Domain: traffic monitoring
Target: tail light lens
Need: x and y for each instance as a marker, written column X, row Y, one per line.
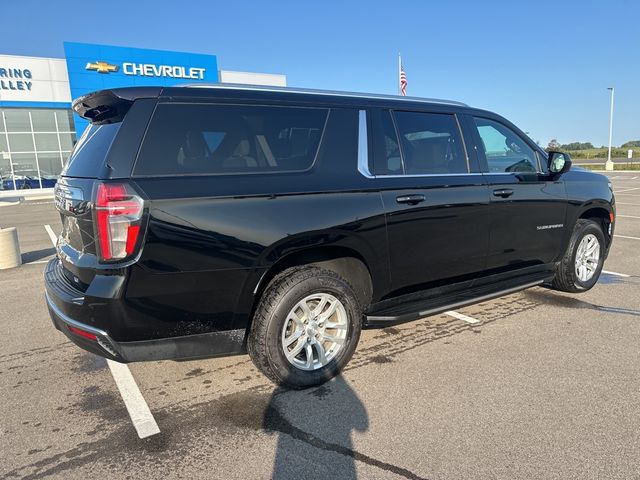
column 118, row 212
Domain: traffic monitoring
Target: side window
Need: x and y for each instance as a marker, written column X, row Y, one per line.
column 89, row 153
column 431, row 143
column 387, row 159
column 504, row 149
column 185, row 139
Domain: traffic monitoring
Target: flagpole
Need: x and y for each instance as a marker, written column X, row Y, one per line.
column 399, row 73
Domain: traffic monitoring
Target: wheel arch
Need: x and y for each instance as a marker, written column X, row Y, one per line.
column 345, row 261
column 602, row 216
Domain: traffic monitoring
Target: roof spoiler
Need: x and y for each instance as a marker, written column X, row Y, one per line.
column 109, row 106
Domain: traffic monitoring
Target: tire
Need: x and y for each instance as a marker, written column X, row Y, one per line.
column 279, row 317
column 566, row 278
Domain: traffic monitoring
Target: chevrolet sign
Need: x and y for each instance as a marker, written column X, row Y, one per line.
column 149, row 70
column 93, row 67
column 172, row 71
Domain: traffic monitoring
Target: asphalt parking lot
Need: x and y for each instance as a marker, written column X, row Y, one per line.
column 538, row 384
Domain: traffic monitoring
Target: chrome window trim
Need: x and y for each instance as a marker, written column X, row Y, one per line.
column 419, row 175
column 514, row 173
column 363, row 145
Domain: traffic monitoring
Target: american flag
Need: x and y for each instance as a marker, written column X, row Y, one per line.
column 403, row 81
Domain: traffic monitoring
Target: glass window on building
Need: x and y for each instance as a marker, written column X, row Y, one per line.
column 34, row 145
column 43, row 121
column 17, row 120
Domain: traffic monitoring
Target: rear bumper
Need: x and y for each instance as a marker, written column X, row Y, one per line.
column 66, row 305
column 103, row 345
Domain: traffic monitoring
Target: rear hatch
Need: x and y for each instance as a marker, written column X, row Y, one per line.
column 98, row 206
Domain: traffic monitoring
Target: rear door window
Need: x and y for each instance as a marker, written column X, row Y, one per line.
column 188, row 139
column 431, row 143
column 387, row 158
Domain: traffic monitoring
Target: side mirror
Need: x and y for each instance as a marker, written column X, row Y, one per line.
column 559, row 163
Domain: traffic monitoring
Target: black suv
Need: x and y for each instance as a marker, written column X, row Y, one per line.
column 209, row 221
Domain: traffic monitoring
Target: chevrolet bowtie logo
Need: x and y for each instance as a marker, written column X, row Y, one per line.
column 102, row 67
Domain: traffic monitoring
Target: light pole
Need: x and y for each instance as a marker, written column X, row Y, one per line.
column 609, row 164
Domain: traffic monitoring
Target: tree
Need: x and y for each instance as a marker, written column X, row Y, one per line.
column 577, row 146
column 554, row 144
column 631, row 144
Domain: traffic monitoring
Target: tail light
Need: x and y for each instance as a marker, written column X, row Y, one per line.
column 118, row 213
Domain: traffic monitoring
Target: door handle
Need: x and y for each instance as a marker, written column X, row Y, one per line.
column 410, row 199
column 503, row 192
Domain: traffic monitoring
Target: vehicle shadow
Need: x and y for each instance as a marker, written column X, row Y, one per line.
column 558, row 300
column 314, row 429
column 37, row 255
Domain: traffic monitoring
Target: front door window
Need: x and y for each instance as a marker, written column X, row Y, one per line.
column 504, row 149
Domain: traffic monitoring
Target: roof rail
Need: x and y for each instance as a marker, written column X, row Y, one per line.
column 309, row 91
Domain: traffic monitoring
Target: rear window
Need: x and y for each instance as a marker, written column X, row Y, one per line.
column 89, row 153
column 187, row 139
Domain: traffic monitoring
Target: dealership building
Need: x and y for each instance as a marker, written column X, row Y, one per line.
column 38, row 129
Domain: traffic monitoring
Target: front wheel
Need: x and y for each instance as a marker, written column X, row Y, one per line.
column 582, row 263
column 305, row 328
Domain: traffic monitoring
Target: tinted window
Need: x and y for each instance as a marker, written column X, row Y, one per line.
column 431, row 143
column 504, row 149
column 207, row 139
column 387, row 159
column 89, row 153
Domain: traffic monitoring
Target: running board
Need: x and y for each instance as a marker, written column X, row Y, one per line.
column 417, row 309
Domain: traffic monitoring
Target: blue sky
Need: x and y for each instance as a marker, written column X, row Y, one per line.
column 545, row 65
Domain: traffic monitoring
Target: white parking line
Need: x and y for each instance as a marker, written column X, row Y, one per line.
column 616, row 274
column 461, row 316
column 626, row 216
column 52, row 235
column 623, row 203
column 141, row 416
column 626, row 236
column 626, row 190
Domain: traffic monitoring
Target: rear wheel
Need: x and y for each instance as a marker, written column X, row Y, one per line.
column 582, row 263
column 306, row 327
